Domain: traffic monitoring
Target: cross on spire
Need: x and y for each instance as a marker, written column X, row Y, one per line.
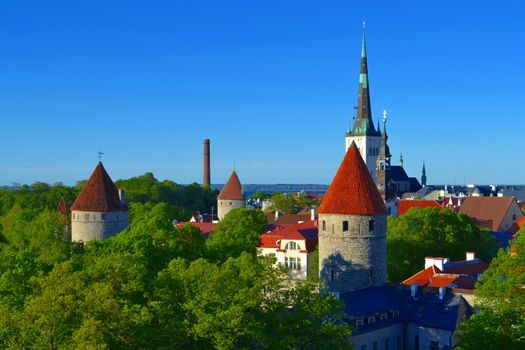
column 100, row 154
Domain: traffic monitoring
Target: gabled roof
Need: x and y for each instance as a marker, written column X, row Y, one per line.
column 488, row 210
column 232, row 189
column 306, row 231
column 205, row 227
column 99, row 193
column 352, row 191
column 422, row 278
column 404, row 205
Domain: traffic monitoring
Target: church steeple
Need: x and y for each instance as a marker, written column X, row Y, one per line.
column 423, row 176
column 363, row 122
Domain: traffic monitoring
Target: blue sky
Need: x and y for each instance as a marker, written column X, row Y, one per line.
column 271, row 83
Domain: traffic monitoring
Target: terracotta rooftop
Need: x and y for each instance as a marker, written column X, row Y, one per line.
column 404, row 205
column 306, row 231
column 232, row 189
column 99, row 193
column 287, row 219
column 352, row 191
column 488, row 211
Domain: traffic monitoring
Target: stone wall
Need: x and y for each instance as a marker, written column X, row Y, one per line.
column 90, row 225
column 225, row 205
column 353, row 259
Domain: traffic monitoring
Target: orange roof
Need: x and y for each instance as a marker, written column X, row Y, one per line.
column 443, row 279
column 422, row 278
column 404, row 205
column 488, row 211
column 306, row 231
column 205, row 227
column 99, row 193
column 232, row 189
column 352, row 191
column 520, row 222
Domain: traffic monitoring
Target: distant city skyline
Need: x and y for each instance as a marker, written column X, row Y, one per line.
column 272, row 84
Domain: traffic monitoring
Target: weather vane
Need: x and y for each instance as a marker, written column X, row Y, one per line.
column 100, row 156
column 384, row 115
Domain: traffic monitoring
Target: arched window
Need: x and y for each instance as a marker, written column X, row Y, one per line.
column 345, row 226
column 292, row 246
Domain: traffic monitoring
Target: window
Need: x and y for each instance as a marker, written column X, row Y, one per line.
column 293, row 263
column 371, row 319
column 387, row 344
column 103, row 216
column 86, row 216
column 73, row 216
column 384, row 316
column 398, row 342
column 416, row 342
column 345, row 226
column 371, row 226
column 324, row 225
column 360, row 322
column 230, row 203
column 374, row 345
column 292, row 246
column 434, row 345
column 363, row 347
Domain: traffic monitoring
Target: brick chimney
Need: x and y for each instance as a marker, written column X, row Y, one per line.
column 206, row 182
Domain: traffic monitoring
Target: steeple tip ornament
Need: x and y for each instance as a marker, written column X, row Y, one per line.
column 364, row 25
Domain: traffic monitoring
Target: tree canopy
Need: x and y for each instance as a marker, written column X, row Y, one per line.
column 500, row 322
column 154, row 286
column 425, row 232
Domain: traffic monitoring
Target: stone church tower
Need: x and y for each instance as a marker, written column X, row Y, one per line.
column 363, row 133
column 384, row 173
column 100, row 210
column 352, row 229
column 230, row 197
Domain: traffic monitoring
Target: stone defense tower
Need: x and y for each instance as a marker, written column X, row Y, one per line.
column 231, row 196
column 100, row 210
column 352, row 229
column 363, row 133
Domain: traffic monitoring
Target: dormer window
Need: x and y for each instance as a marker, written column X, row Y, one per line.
column 384, row 316
column 359, row 322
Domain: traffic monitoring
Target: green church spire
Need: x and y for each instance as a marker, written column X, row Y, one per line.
column 363, row 123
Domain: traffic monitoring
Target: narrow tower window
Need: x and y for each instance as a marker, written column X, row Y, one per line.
column 345, row 226
column 371, row 226
column 324, row 225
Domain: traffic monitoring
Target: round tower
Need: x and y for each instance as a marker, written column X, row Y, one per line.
column 352, row 229
column 100, row 210
column 230, row 197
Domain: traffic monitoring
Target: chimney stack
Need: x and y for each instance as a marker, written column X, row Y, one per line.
column 206, row 182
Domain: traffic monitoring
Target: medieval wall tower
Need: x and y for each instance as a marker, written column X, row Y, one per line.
column 100, row 210
column 363, row 133
column 352, row 229
column 230, row 197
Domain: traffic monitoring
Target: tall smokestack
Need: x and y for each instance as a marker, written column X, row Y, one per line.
column 206, row 182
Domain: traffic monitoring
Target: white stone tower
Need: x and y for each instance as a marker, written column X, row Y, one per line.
column 100, row 210
column 231, row 196
column 352, row 229
column 363, row 133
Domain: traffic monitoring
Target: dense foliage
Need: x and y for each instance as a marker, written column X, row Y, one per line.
column 292, row 203
column 154, row 286
column 433, row 232
column 500, row 322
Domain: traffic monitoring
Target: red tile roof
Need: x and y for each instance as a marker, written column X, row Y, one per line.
column 205, row 227
column 99, row 193
column 232, row 189
column 62, row 207
column 352, row 191
column 404, row 205
column 306, row 231
column 422, row 278
column 488, row 211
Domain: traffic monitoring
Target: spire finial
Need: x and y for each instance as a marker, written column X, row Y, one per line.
column 385, row 113
column 364, row 25
column 100, row 154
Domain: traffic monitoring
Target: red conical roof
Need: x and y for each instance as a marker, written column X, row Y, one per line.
column 232, row 189
column 99, row 193
column 352, row 191
column 62, row 207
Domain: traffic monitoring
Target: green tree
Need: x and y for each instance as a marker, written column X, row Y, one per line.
column 500, row 322
column 433, row 232
column 238, row 232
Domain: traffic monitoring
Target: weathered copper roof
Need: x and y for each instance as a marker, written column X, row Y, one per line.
column 232, row 189
column 352, row 191
column 99, row 193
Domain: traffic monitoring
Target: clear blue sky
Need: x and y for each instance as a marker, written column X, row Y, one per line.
column 271, row 83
